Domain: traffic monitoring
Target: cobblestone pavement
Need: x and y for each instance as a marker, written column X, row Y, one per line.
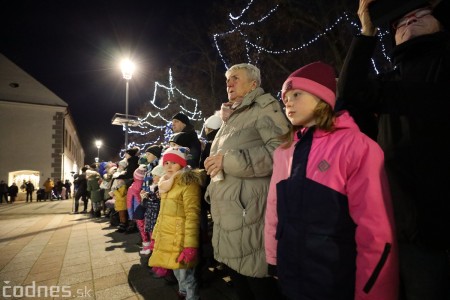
column 48, row 253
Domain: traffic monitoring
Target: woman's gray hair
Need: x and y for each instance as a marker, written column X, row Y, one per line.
column 252, row 71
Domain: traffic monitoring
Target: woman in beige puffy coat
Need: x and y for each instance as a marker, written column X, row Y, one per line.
column 242, row 153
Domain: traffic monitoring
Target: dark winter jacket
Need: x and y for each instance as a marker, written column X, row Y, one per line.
column 194, row 146
column 13, row 190
column 81, row 183
column 409, row 110
column 205, row 153
column 29, row 187
column 133, row 164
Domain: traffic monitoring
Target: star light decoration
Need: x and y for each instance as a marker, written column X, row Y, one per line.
column 158, row 120
column 239, row 26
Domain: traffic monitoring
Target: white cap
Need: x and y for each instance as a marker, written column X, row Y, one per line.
column 213, row 122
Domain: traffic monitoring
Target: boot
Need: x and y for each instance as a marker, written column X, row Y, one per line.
column 145, row 248
column 121, row 227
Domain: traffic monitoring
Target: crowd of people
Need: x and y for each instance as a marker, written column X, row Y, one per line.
column 338, row 192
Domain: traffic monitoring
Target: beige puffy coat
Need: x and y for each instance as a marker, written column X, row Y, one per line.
column 238, row 202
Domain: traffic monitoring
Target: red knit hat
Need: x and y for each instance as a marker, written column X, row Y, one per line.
column 316, row 78
column 177, row 155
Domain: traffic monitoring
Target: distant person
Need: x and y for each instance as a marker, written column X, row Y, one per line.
column 29, row 187
column 81, row 183
column 183, row 139
column 68, row 186
column 93, row 187
column 132, row 159
column 48, row 188
column 119, row 193
column 181, row 123
column 13, row 190
column 58, row 189
column 211, row 127
column 151, row 200
column 3, row 191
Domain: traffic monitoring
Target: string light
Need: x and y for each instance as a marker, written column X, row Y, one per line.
column 147, row 124
column 238, row 26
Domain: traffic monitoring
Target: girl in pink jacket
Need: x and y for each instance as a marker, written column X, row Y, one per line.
column 329, row 227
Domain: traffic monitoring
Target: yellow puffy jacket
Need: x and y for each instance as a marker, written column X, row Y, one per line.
column 178, row 224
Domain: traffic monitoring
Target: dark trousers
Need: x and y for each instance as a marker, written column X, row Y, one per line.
column 30, row 195
column 424, row 273
column 251, row 288
column 83, row 196
column 3, row 195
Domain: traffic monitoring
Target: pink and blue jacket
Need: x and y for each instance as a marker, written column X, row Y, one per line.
column 329, row 224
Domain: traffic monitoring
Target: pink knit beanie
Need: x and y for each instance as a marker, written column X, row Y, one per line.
column 316, row 78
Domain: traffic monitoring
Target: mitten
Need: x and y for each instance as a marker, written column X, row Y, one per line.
column 160, row 272
column 187, row 255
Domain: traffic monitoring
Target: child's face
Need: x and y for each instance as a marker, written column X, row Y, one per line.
column 156, row 179
column 173, row 144
column 300, row 107
column 171, row 167
column 150, row 157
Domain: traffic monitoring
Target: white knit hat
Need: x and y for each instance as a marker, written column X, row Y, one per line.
column 213, row 122
column 158, row 171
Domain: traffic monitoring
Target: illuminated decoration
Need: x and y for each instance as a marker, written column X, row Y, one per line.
column 158, row 122
column 238, row 26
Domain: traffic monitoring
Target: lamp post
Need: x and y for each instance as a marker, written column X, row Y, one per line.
column 127, row 67
column 98, row 144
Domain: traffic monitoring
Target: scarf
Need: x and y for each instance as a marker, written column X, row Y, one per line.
column 228, row 108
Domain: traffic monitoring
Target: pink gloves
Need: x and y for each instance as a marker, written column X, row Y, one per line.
column 187, row 255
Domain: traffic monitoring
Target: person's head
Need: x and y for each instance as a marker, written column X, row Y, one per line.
column 131, row 152
column 83, row 170
column 180, row 139
column 309, row 95
column 174, row 159
column 415, row 23
column 153, row 152
column 241, row 80
column 179, row 122
column 157, row 172
column 212, row 123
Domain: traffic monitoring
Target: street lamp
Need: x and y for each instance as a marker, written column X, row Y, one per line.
column 98, row 144
column 127, row 67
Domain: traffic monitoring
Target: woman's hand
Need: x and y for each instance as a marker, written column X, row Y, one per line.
column 367, row 27
column 214, row 164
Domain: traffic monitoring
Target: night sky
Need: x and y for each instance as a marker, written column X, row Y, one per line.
column 74, row 48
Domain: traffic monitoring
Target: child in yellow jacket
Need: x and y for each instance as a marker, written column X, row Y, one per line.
column 177, row 230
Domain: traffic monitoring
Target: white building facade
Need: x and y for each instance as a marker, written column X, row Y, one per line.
column 38, row 136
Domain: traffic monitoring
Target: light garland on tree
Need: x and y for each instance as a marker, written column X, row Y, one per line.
column 145, row 125
column 239, row 26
